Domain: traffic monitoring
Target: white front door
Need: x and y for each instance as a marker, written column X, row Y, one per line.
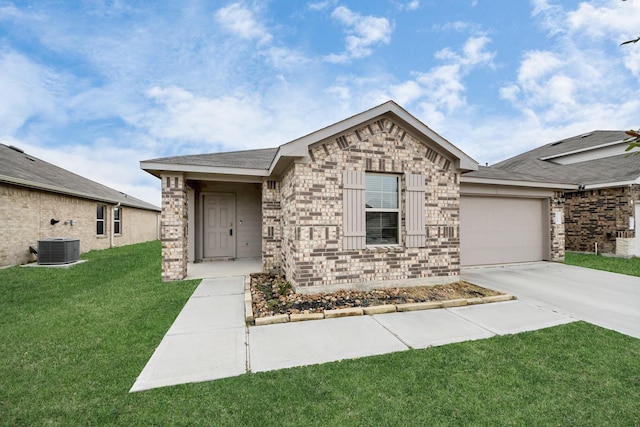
column 219, row 226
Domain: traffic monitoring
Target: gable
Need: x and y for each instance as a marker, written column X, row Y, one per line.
column 381, row 145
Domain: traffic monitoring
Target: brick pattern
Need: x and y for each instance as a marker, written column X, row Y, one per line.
column 26, row 218
column 271, row 225
column 557, row 230
column 173, row 228
column 310, row 213
column 599, row 216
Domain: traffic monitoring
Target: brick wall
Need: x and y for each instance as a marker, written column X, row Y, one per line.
column 25, row 218
column 173, row 227
column 599, row 216
column 311, row 212
column 557, row 226
column 271, row 225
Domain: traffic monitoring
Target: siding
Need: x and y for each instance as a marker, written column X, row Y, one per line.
column 25, row 216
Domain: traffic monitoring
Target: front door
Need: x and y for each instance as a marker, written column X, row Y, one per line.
column 219, row 226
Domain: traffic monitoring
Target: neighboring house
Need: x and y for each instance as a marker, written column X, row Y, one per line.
column 377, row 198
column 39, row 201
column 605, row 208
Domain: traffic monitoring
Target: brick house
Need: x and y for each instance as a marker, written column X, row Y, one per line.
column 39, row 200
column 602, row 212
column 375, row 199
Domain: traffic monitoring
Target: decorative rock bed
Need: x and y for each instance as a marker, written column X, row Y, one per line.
column 270, row 299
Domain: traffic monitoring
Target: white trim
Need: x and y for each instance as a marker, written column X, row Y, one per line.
column 68, row 192
column 299, row 147
column 583, row 150
column 505, row 182
column 176, row 167
column 610, row 184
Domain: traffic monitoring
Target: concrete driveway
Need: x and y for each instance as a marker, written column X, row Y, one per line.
column 605, row 299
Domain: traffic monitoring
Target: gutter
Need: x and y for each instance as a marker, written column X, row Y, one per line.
column 66, row 191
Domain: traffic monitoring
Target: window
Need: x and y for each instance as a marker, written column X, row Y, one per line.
column 117, row 220
column 382, row 210
column 100, row 220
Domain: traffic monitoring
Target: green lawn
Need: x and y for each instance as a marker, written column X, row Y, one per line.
column 74, row 341
column 630, row 266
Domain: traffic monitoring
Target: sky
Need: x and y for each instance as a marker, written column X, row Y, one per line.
column 96, row 86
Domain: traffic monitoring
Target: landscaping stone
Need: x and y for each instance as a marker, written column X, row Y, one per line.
column 379, row 309
column 343, row 312
column 413, row 306
column 278, row 318
column 305, row 316
column 498, row 298
column 454, row 303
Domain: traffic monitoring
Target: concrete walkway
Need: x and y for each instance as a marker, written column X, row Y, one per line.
column 605, row 299
column 209, row 339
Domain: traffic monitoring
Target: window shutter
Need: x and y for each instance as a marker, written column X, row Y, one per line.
column 416, row 232
column 353, row 216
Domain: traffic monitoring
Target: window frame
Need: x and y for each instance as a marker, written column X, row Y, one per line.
column 117, row 221
column 397, row 210
column 101, row 221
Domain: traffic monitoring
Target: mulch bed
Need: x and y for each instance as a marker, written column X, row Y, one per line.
column 271, row 294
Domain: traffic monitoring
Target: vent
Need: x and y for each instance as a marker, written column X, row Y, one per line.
column 14, row 148
column 58, row 251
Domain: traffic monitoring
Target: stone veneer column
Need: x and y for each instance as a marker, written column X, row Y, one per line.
column 174, row 227
column 557, row 229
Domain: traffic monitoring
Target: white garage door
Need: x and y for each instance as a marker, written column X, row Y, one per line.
column 501, row 230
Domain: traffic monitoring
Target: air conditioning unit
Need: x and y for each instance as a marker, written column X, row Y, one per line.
column 58, row 250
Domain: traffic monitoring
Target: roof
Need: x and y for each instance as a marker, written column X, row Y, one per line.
column 492, row 175
column 594, row 159
column 265, row 162
column 249, row 159
column 21, row 169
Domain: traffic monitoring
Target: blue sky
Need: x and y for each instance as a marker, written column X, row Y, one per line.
column 96, row 86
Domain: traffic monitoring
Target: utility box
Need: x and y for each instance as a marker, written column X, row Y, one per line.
column 58, row 250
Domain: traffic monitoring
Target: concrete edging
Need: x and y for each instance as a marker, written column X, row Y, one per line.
column 360, row 311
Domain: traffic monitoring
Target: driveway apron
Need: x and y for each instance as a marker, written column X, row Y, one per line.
column 605, row 299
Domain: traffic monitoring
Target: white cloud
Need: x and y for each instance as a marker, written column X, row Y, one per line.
column 242, row 22
column 579, row 78
column 321, row 5
column 413, row 5
column 363, row 32
column 28, row 90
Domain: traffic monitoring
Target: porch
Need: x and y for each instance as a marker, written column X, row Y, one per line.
column 213, row 269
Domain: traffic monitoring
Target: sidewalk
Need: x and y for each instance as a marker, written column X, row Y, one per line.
column 209, row 339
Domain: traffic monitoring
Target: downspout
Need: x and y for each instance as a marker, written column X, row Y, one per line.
column 112, row 234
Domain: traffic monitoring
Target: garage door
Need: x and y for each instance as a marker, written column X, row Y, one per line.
column 501, row 230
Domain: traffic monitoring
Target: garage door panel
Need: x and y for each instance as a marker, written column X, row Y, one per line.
column 500, row 230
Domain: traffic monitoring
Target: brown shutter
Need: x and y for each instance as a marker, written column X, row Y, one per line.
column 415, row 191
column 353, row 200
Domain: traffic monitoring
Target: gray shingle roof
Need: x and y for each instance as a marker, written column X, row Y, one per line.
column 619, row 168
column 249, row 159
column 494, row 173
column 19, row 168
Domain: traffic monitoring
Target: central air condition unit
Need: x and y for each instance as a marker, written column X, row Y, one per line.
column 58, row 251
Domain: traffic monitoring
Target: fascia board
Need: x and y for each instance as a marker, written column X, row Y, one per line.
column 66, row 191
column 582, row 150
column 611, row 184
column 513, row 183
column 174, row 167
column 299, row 147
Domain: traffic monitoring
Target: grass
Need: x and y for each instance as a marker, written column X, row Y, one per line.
column 629, row 266
column 74, row 341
